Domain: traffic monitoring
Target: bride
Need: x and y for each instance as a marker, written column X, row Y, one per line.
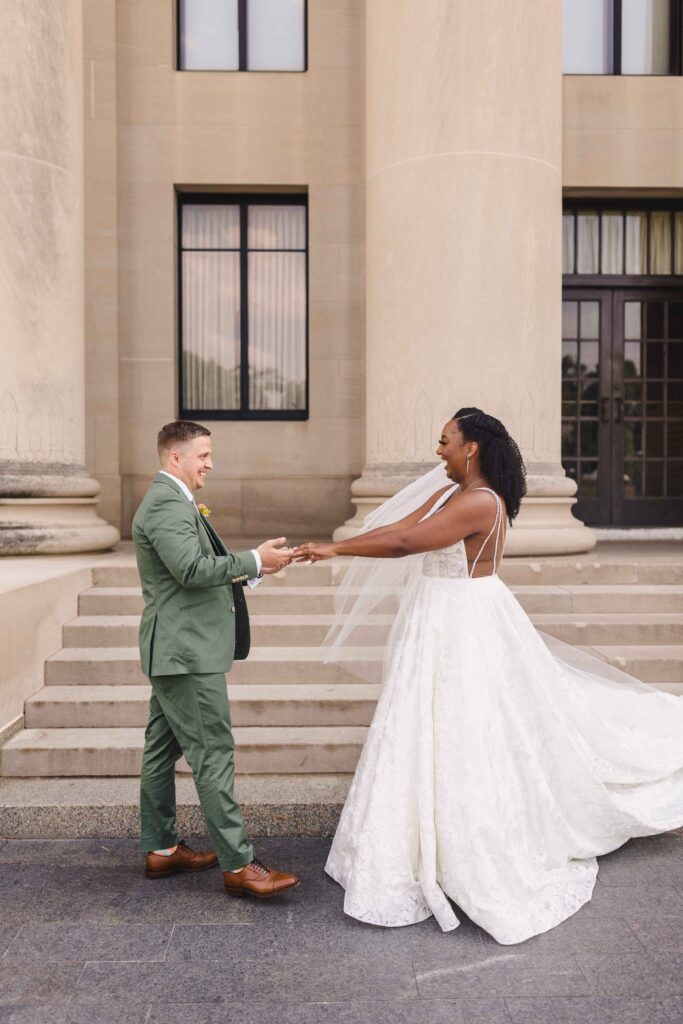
column 499, row 763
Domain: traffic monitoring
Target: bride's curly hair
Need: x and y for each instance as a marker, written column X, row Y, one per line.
column 500, row 458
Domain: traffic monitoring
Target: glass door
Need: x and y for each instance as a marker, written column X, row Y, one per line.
column 622, row 404
column 587, row 427
column 647, row 369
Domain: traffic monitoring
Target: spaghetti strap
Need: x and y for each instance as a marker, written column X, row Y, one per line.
column 497, row 524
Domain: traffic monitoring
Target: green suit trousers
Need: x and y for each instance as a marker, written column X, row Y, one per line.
column 190, row 715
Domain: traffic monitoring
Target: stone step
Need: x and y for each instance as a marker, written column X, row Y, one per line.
column 115, row 666
column 266, row 630
column 621, row 628
column 320, row 600
column 590, row 569
column 59, row 707
column 102, row 808
column 322, row 574
column 258, row 750
column 310, row 630
column 92, row 666
column 661, row 663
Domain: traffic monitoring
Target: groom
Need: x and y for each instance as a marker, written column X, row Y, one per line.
column 194, row 616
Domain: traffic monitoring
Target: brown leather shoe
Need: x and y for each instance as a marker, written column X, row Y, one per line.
column 258, row 880
column 184, row 859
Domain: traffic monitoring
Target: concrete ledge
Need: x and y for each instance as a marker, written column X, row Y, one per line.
column 61, row 808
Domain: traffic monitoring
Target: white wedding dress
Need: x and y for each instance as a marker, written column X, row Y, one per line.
column 495, row 771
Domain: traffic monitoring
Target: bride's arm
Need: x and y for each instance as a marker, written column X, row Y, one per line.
column 461, row 517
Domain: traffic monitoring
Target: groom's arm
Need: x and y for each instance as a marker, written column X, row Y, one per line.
column 171, row 528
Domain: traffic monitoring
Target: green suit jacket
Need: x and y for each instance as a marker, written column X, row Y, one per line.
column 188, row 623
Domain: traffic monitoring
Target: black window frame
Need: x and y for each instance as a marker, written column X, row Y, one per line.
column 580, row 204
column 243, row 200
column 675, row 46
column 242, row 38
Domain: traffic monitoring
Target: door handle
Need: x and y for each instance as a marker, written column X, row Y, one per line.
column 604, row 409
column 618, row 410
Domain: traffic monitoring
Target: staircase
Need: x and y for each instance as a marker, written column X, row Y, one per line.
column 291, row 713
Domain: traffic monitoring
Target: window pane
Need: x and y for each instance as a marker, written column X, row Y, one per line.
column 674, row 479
column 636, row 242
column 589, row 439
column 211, row 330
column 675, row 359
column 675, row 320
column 660, row 243
column 645, row 37
column 587, row 241
column 612, row 256
column 589, row 479
column 277, row 227
column 589, row 359
column 590, row 319
column 586, row 37
column 632, row 320
column 654, row 320
column 569, row 358
column 570, row 325
column 654, row 479
column 654, row 440
column 208, row 35
column 211, row 226
column 568, row 243
column 569, row 445
column 275, row 35
column 632, row 359
column 633, row 479
column 277, row 330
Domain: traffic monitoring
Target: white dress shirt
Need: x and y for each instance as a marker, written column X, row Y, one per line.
column 190, row 497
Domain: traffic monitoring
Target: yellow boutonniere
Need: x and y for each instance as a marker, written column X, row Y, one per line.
column 204, row 510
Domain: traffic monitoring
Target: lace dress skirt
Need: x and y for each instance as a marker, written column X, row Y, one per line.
column 494, row 773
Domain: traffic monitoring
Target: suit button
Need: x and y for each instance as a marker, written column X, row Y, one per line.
column 232, row 609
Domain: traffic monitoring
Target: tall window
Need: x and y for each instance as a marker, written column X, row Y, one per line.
column 243, row 307
column 623, row 238
column 622, row 37
column 242, row 35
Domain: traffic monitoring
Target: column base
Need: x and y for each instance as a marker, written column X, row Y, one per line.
column 53, row 526
column 544, row 526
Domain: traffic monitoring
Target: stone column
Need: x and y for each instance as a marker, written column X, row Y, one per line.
column 463, row 163
column 47, row 500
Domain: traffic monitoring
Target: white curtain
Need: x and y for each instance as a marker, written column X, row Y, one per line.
column 209, row 35
column 211, row 330
column 660, row 242
column 277, row 227
column 645, row 37
column 612, row 243
column 587, row 37
column 587, row 244
column 277, row 330
column 211, row 226
column 636, row 243
column 275, row 36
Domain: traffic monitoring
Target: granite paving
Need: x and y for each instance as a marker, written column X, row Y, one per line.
column 85, row 938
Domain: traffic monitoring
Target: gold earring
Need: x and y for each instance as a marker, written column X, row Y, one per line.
column 467, row 471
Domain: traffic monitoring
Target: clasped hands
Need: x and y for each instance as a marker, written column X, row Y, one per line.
column 275, row 556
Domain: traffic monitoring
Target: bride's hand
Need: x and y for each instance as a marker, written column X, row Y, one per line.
column 314, row 552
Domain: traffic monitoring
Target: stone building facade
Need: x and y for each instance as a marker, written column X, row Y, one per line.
column 408, row 172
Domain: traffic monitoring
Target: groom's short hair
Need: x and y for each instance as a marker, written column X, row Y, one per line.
column 179, row 432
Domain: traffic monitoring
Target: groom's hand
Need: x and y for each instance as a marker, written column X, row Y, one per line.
column 273, row 555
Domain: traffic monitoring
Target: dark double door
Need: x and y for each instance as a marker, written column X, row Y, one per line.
column 622, row 404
